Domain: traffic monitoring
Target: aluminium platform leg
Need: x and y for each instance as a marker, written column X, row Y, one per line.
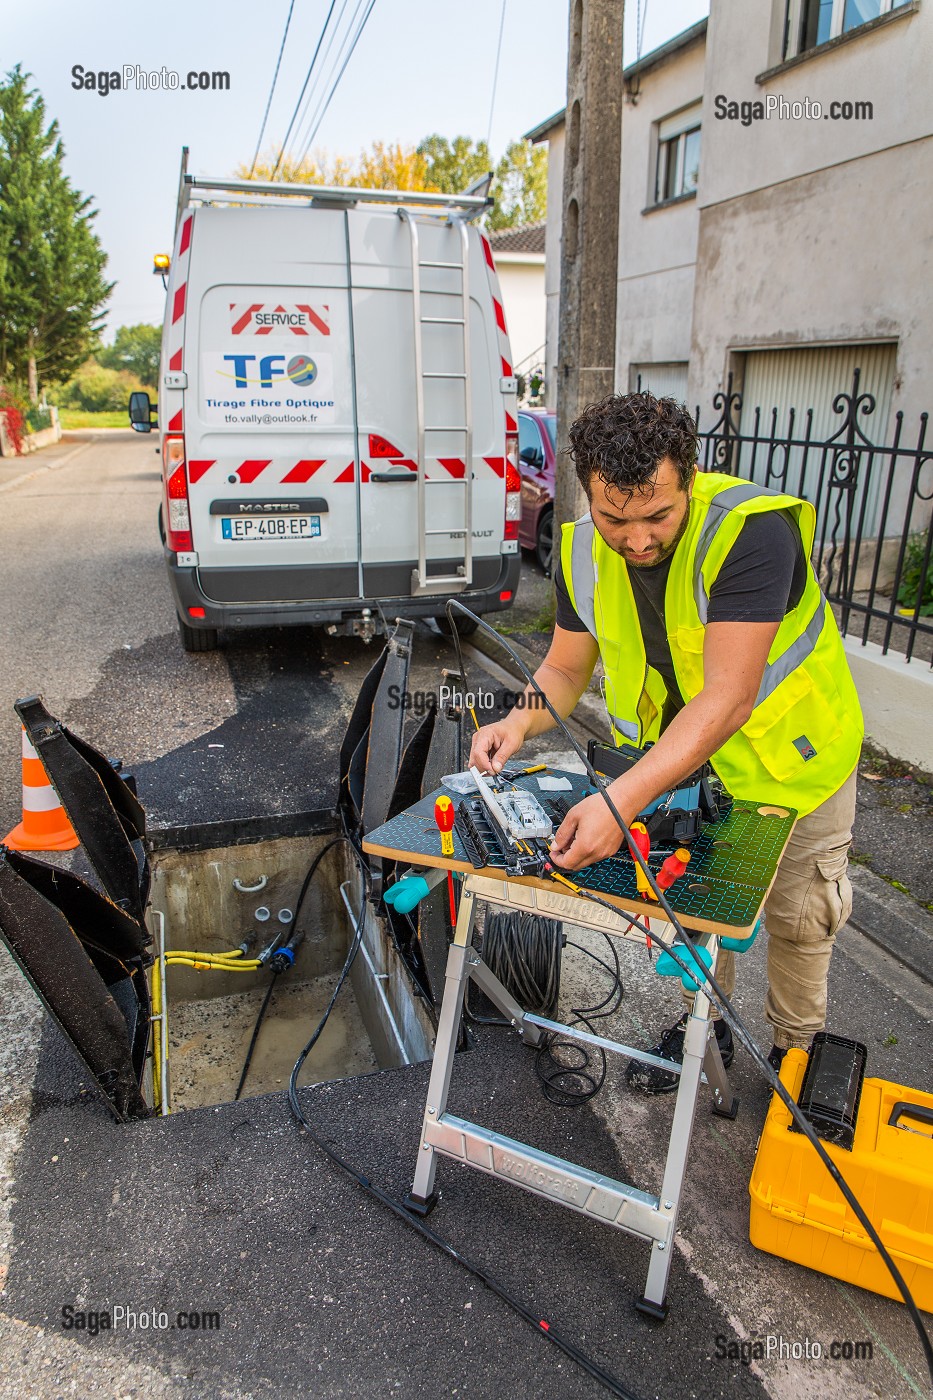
column 462, row 964
column 422, row 1197
column 699, row 1052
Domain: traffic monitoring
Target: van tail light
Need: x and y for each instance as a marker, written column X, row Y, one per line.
column 513, row 488
column 178, row 519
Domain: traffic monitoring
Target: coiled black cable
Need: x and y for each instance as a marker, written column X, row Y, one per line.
column 567, row 1069
column 523, row 951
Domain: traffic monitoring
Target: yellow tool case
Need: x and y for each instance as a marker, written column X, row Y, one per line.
column 798, row 1212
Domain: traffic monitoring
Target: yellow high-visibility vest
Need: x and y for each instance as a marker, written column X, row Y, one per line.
column 804, row 735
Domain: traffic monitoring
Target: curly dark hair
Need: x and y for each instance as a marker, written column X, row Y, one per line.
column 625, row 438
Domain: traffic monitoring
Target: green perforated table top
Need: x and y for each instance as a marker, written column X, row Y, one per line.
column 731, row 871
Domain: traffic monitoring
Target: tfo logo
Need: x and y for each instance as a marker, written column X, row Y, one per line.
column 301, row 369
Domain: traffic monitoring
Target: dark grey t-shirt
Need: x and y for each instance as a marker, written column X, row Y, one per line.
column 762, row 578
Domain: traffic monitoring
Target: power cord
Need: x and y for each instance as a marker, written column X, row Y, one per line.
column 697, row 971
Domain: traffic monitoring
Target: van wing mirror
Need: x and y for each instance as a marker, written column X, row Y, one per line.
column 140, row 412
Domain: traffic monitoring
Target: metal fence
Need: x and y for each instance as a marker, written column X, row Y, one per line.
column 874, row 531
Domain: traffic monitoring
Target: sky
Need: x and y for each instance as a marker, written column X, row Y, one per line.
column 420, row 66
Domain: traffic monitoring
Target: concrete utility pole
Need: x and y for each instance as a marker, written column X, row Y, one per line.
column 590, row 227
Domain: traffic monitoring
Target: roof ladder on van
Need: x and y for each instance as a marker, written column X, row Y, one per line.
column 421, row 581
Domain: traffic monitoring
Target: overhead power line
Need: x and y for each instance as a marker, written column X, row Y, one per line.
column 495, row 76
column 322, row 77
column 355, row 41
column 275, row 78
column 304, row 85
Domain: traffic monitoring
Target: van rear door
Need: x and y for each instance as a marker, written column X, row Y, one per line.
column 269, row 418
column 455, row 393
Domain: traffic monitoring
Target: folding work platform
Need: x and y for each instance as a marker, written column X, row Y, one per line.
column 719, row 900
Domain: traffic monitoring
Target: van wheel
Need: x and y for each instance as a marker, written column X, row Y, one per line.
column 544, row 545
column 465, row 625
column 198, row 638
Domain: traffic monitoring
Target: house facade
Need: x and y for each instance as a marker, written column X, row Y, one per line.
column 776, row 210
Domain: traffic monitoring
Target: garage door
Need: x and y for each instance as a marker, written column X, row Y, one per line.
column 665, row 381
column 805, row 379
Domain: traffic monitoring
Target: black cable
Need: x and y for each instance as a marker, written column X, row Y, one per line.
column 297, row 938
column 317, row 82
column 275, row 78
column 523, row 951
column 303, row 88
column 699, row 973
column 256, row 1029
column 567, row 1084
column 336, row 83
column 398, row 1208
column 295, row 943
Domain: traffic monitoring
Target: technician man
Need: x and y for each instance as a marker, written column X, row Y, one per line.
column 696, row 592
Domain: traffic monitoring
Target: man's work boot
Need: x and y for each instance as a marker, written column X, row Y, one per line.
column 652, row 1080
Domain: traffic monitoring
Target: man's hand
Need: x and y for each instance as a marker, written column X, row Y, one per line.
column 494, row 745
column 589, row 833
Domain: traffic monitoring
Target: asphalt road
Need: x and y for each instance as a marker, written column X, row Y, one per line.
column 321, row 1292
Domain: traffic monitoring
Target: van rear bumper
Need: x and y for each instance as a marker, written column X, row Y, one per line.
column 188, row 592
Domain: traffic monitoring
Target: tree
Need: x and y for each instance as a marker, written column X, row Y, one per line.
column 519, row 185
column 137, row 349
column 98, row 388
column 453, row 166
column 393, row 167
column 52, row 288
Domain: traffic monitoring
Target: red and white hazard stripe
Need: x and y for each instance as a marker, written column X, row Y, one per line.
column 171, row 401
column 505, row 350
column 507, row 465
column 272, row 472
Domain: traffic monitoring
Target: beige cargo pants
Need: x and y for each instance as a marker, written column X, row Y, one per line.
column 810, row 900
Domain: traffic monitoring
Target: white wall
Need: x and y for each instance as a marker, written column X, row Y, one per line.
column 657, row 246
column 889, row 66
column 521, row 279
column 555, row 198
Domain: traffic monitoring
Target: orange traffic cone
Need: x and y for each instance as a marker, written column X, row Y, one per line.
column 44, row 826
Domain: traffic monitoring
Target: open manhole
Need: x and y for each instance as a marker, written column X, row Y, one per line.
column 242, row 902
column 159, row 953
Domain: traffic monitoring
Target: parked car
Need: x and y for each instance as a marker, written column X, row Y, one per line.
column 537, row 460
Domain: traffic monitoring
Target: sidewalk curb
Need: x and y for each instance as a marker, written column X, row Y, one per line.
column 893, row 921
column 590, row 713
column 887, row 918
column 46, row 466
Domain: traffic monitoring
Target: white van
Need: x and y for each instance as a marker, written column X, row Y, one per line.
column 333, row 360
